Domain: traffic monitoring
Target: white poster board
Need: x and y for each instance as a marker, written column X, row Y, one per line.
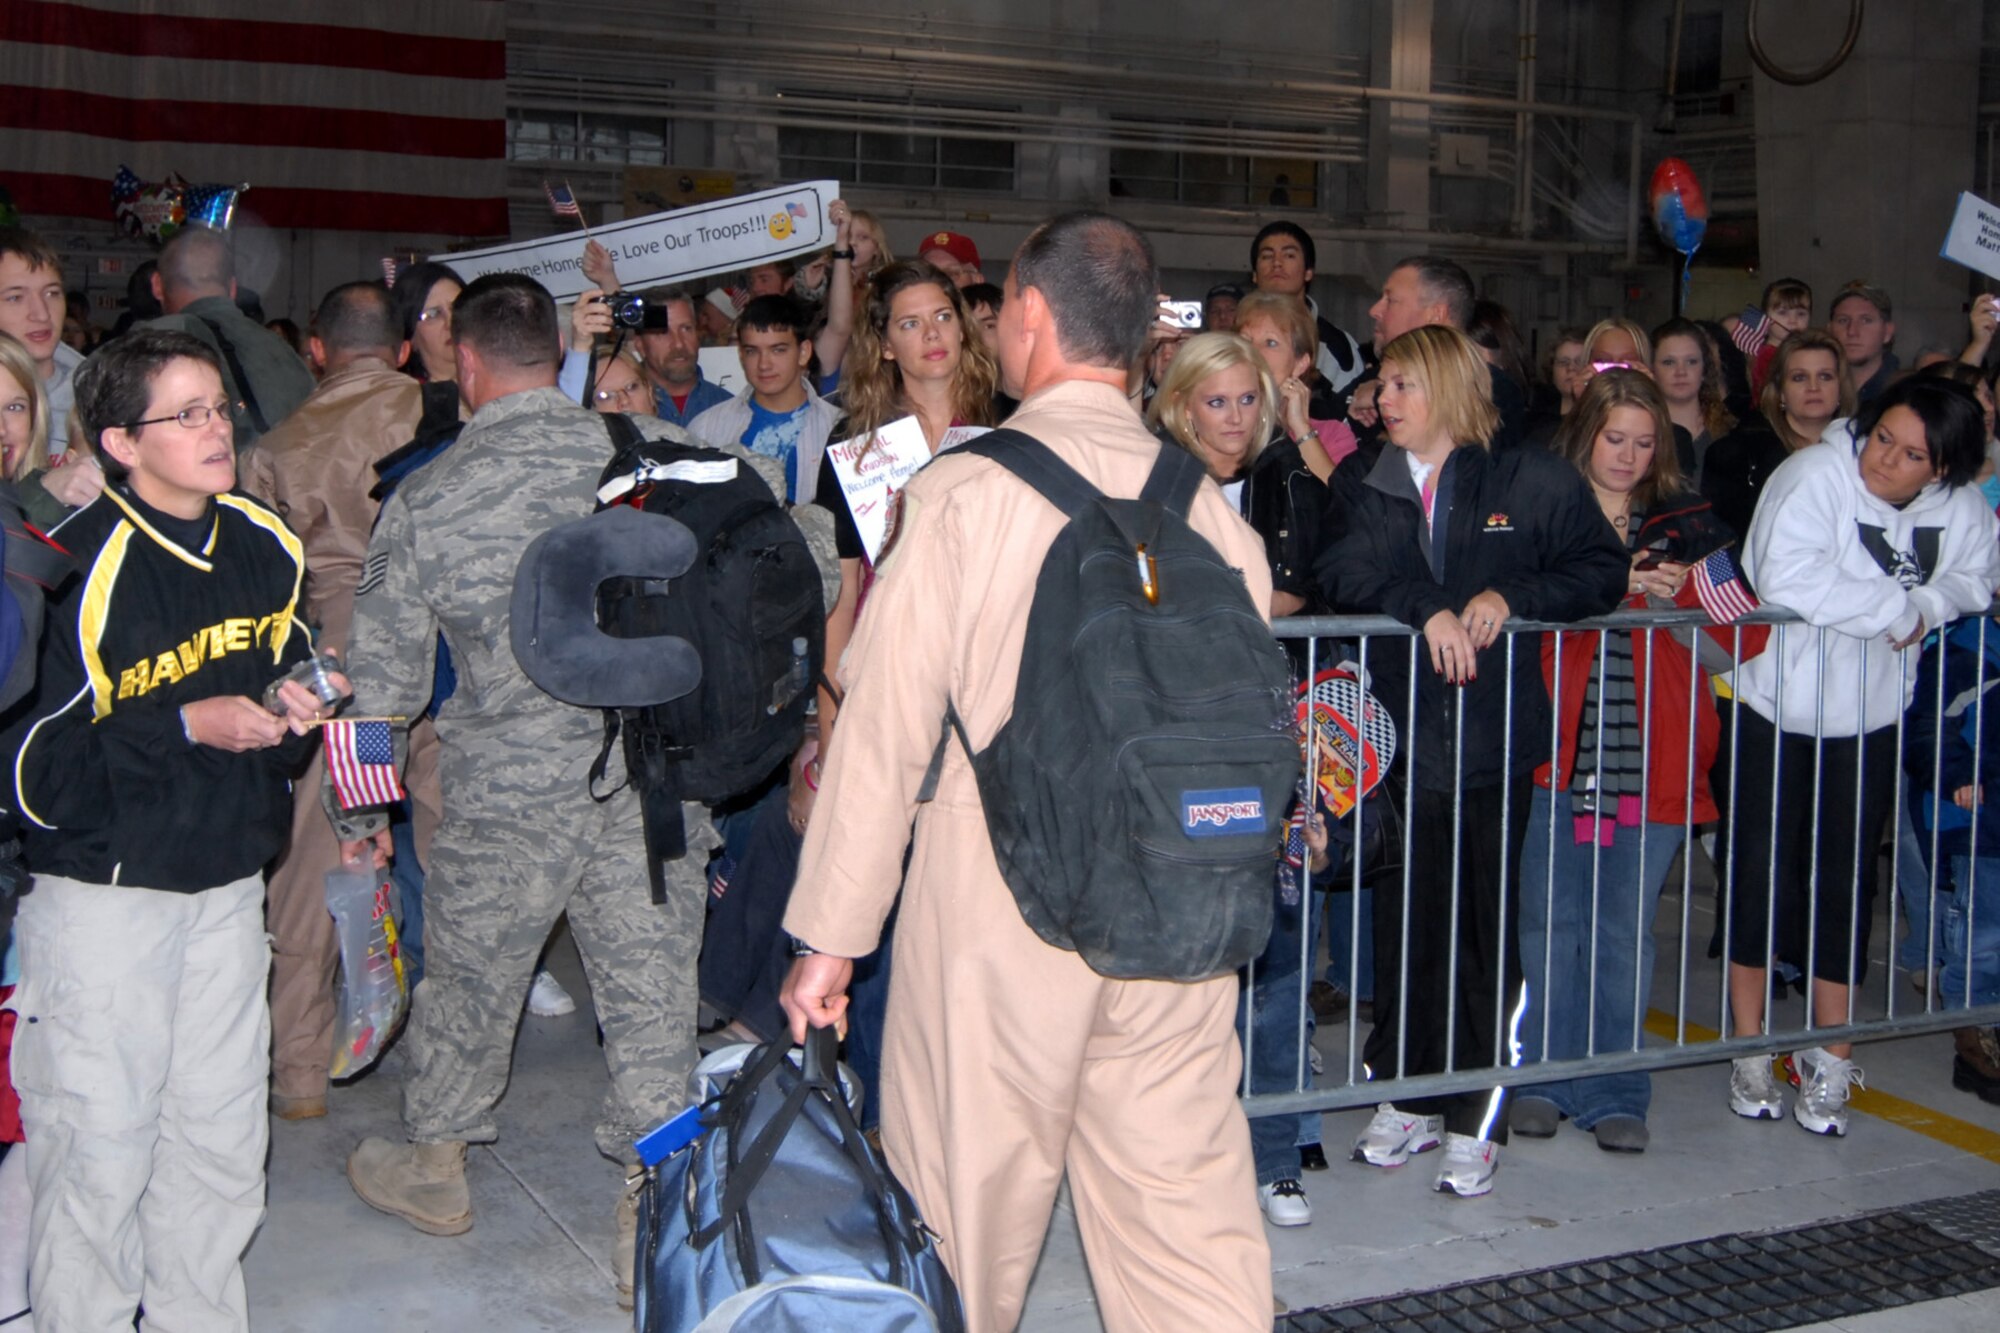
column 872, row 470
column 723, row 367
column 719, row 236
column 1974, row 238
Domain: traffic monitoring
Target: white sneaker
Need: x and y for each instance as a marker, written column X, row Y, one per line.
column 1393, row 1135
column 1285, row 1204
column 547, row 998
column 1753, row 1089
column 1468, row 1165
column 1822, row 1101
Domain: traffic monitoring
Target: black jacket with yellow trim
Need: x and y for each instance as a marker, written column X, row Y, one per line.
column 105, row 781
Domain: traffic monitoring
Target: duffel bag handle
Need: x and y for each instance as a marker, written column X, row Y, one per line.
column 819, row 1072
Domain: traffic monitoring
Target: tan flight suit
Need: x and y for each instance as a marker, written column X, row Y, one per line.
column 316, row 468
column 1006, row 1061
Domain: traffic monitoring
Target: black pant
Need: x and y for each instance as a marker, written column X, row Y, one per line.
column 1824, row 881
column 1477, row 1006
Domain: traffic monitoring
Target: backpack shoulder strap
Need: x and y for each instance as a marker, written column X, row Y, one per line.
column 627, row 450
column 243, row 386
column 625, row 437
column 1037, row 464
column 1175, row 477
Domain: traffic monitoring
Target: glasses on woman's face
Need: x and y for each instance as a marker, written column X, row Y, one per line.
column 1579, row 362
column 433, row 314
column 191, row 418
column 624, row 395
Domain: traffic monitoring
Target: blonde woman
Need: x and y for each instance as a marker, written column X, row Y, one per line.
column 45, row 496
column 1219, row 403
column 1621, row 341
column 1286, row 336
column 1453, row 540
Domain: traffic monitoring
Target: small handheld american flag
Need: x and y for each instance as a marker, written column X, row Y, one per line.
column 563, row 200
column 1719, row 587
column 1749, row 333
column 361, row 760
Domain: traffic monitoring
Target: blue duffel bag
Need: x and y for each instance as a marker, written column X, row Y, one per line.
column 781, row 1218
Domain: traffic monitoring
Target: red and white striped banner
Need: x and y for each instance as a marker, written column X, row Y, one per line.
column 370, row 115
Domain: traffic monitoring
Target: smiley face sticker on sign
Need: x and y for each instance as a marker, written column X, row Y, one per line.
column 781, row 226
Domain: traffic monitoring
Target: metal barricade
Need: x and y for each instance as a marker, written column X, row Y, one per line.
column 1687, row 1014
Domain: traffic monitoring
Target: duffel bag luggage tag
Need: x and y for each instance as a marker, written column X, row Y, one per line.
column 659, row 1144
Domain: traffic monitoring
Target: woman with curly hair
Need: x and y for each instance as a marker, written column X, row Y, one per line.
column 915, row 353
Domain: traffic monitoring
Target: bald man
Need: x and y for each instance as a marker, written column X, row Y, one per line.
column 196, row 286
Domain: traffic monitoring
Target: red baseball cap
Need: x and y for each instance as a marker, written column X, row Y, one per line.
column 956, row 244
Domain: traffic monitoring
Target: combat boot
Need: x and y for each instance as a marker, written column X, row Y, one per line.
column 422, row 1183
column 627, row 1240
column 1975, row 1065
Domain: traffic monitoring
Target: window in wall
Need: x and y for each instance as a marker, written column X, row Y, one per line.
column 909, row 159
column 1211, row 179
column 566, row 136
column 1699, row 69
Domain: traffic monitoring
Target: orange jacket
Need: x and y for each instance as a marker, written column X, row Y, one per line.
column 1666, row 716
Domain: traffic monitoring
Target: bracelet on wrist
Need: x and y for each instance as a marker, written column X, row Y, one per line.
column 810, row 771
column 843, row 254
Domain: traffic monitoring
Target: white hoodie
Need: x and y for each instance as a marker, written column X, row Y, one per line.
column 1823, row 546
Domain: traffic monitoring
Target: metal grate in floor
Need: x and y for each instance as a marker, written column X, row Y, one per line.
column 1974, row 1218
column 1770, row 1280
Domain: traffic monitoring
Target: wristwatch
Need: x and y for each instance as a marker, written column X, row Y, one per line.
column 844, row 254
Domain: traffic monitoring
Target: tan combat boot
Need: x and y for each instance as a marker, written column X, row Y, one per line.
column 1975, row 1064
column 422, row 1183
column 627, row 1240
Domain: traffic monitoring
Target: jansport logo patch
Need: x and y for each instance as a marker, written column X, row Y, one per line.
column 1222, row 813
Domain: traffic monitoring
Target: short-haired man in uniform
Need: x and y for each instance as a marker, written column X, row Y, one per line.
column 1007, row 1061
column 521, row 840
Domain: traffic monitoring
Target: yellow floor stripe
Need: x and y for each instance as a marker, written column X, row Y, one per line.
column 1975, row 1140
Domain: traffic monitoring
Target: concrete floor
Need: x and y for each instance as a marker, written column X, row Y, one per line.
column 537, row 1256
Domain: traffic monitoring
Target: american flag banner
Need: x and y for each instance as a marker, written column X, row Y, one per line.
column 373, row 115
column 1719, row 587
column 563, row 200
column 1749, row 335
column 361, row 760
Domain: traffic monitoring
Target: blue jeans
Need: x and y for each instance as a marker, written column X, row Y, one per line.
column 1913, row 891
column 407, row 874
column 1277, row 1041
column 1340, row 944
column 1971, row 950
column 1556, row 946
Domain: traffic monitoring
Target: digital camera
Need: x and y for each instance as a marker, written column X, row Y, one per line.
column 629, row 311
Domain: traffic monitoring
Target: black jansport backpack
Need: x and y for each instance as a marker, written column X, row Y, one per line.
column 751, row 606
column 1137, row 795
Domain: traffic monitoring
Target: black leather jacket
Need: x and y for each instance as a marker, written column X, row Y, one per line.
column 1286, row 504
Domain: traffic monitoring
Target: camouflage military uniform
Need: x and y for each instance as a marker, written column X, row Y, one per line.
column 521, row 841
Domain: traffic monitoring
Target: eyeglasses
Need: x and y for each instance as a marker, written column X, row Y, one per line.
column 629, row 391
column 434, row 312
column 1572, row 362
column 191, row 418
